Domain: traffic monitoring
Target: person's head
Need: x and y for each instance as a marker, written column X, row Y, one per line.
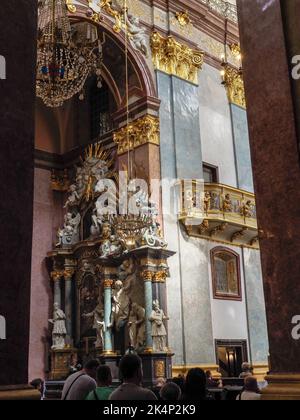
column 37, row 384
column 91, row 368
column 208, row 374
column 104, row 377
column 180, row 381
column 131, row 369
column 251, row 384
column 195, row 385
column 246, row 367
column 170, row 392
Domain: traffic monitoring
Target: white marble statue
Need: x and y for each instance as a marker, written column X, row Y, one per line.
column 159, row 333
column 69, row 234
column 137, row 326
column 153, row 238
column 59, row 328
column 98, row 325
column 73, row 197
column 137, row 35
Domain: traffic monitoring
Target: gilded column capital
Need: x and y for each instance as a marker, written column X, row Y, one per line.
column 147, row 275
column 234, row 84
column 108, row 284
column 68, row 273
column 56, row 275
column 142, row 131
column 176, row 59
column 160, row 277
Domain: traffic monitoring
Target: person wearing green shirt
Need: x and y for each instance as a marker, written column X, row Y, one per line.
column 104, row 388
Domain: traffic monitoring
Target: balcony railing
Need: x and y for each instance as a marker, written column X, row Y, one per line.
column 225, row 214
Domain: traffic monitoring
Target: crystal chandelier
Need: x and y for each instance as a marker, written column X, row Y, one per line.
column 67, row 54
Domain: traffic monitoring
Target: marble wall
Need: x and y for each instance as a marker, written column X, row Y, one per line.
column 242, row 148
column 215, row 122
column 256, row 310
column 196, row 319
column 47, row 217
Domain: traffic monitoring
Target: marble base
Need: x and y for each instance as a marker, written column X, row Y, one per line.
column 61, row 361
column 282, row 387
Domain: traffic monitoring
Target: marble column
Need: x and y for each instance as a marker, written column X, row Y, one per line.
column 18, row 22
column 147, row 277
column 68, row 276
column 56, row 277
column 108, row 345
column 275, row 158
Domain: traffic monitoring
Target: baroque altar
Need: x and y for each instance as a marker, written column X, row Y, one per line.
column 109, row 273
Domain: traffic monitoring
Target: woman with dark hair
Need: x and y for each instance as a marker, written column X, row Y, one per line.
column 195, row 386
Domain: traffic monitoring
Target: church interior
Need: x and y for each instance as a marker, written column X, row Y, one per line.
column 150, row 165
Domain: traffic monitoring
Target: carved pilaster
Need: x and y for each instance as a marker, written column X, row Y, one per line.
column 234, row 83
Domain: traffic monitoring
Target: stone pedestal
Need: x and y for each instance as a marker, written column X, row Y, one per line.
column 156, row 365
column 61, row 361
column 275, row 156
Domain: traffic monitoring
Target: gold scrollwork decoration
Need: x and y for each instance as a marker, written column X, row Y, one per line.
column 147, row 275
column 142, row 131
column 175, row 58
column 160, row 277
column 107, row 6
column 70, row 6
column 183, row 18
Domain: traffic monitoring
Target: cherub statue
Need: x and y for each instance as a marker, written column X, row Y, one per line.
column 247, row 209
column 159, row 333
column 227, row 204
column 68, row 235
column 137, row 35
column 59, row 331
column 73, row 197
column 207, row 201
column 99, row 324
column 152, row 236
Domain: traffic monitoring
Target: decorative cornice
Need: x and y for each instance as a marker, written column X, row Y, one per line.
column 175, row 58
column 234, row 83
column 142, row 131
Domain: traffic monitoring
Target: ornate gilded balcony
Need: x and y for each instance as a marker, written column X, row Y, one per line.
column 225, row 214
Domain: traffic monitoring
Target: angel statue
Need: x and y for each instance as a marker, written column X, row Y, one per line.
column 69, row 234
column 98, row 325
column 59, row 328
column 159, row 333
column 137, row 35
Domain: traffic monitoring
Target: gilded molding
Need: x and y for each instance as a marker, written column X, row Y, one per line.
column 142, row 131
column 176, row 59
column 234, row 84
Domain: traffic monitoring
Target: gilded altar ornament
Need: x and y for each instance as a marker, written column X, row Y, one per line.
column 70, row 6
column 234, row 84
column 69, row 272
column 176, row 59
column 183, row 18
column 236, row 51
column 142, row 131
column 60, row 180
column 147, row 275
column 160, row 276
column 108, row 284
column 56, row 275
